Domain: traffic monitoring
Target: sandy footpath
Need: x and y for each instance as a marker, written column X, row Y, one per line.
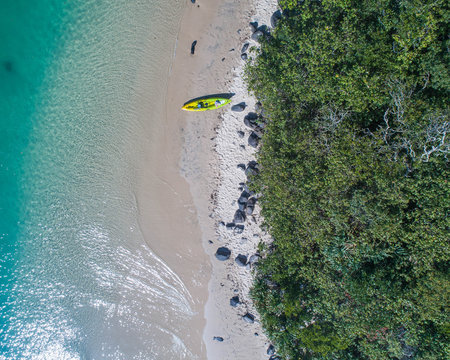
column 211, row 148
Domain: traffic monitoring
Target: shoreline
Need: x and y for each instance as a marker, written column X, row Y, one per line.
column 211, row 147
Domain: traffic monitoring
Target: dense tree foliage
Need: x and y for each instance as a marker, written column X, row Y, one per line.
column 354, row 179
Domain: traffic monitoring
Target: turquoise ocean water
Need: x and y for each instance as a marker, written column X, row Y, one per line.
column 76, row 279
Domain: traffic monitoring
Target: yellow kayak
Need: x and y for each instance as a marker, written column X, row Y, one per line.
column 204, row 104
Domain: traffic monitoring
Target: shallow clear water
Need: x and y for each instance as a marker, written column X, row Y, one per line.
column 77, row 280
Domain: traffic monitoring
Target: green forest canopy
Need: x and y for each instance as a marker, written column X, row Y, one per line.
column 354, row 179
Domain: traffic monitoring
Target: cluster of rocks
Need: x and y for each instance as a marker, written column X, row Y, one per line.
column 247, row 199
column 260, row 31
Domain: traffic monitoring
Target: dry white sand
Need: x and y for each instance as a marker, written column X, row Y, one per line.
column 211, row 149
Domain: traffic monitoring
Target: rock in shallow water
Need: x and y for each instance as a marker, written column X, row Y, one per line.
column 223, row 253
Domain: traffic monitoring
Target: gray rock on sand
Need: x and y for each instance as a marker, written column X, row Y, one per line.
column 254, row 26
column 249, row 318
column 244, row 56
column 245, row 48
column 270, row 350
column 250, row 206
column 234, row 301
column 252, row 169
column 239, row 107
column 218, row 338
column 241, row 134
column 244, row 197
column 239, row 217
column 223, row 253
column 241, row 166
column 276, row 16
column 241, row 260
column 250, row 120
column 257, row 35
column 253, row 139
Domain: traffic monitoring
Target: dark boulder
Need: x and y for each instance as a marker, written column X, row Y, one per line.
column 234, row 301
column 241, row 166
column 250, row 206
column 244, row 197
column 244, row 56
column 245, row 48
column 239, row 217
column 251, row 120
column 218, row 338
column 252, row 169
column 241, row 134
column 257, row 35
column 249, row 318
column 254, row 26
column 264, row 29
column 276, row 16
column 223, row 253
column 241, row 260
column 270, row 350
column 242, row 206
column 239, row 107
column 253, row 139
column 230, row 226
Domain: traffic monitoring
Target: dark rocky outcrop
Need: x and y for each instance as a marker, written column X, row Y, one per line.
column 245, row 48
column 241, row 166
column 239, row 107
column 223, row 253
column 239, row 217
column 253, row 139
column 270, row 350
column 244, row 56
column 250, row 206
column 217, row 338
column 249, row 318
column 257, row 35
column 230, row 226
column 276, row 16
column 244, row 197
column 241, row 134
column 254, row 26
column 234, row 301
column 252, row 169
column 251, row 120
column 241, row 260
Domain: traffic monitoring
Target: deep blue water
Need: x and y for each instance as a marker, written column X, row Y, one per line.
column 77, row 281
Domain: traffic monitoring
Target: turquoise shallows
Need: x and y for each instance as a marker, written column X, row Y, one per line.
column 77, row 281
